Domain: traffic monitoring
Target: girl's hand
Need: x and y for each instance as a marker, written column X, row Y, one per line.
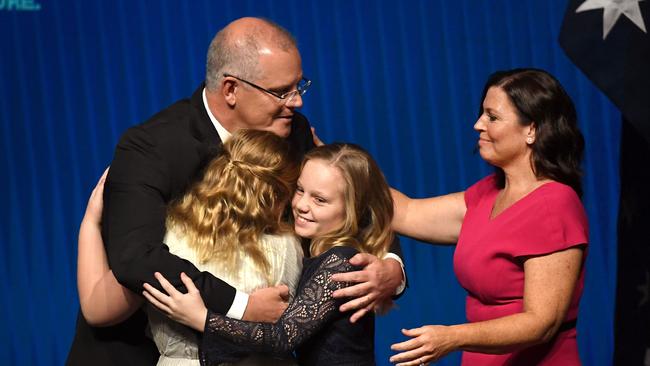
column 187, row 309
column 96, row 202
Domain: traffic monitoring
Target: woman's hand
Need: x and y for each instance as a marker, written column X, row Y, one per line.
column 187, row 309
column 427, row 344
column 96, row 202
column 316, row 139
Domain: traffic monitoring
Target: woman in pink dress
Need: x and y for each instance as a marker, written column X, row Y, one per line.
column 521, row 233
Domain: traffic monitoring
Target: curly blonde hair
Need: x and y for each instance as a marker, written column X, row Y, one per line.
column 368, row 202
column 242, row 195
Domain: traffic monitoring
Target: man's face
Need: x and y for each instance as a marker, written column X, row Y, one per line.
column 279, row 71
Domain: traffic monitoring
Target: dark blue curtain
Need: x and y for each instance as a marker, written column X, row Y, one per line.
column 402, row 78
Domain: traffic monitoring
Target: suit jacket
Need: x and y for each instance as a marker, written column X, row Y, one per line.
column 154, row 163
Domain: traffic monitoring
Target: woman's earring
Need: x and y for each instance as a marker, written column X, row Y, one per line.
column 529, row 140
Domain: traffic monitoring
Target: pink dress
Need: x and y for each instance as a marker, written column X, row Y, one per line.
column 488, row 264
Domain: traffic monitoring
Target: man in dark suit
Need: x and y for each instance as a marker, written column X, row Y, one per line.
column 253, row 80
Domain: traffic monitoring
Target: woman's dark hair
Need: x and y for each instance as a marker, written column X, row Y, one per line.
column 540, row 99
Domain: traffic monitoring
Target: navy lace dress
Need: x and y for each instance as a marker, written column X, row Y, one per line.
column 311, row 325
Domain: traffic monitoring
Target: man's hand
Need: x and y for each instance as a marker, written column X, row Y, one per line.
column 267, row 304
column 375, row 284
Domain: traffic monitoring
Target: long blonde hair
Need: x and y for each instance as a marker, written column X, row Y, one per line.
column 241, row 196
column 368, row 202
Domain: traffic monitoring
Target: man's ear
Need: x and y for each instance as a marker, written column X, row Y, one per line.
column 229, row 88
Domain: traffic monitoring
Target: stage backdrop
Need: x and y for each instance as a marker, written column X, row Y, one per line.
column 402, row 78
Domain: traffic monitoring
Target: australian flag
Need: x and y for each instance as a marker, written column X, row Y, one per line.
column 609, row 41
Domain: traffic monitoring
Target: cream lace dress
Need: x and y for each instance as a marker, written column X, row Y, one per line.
column 177, row 344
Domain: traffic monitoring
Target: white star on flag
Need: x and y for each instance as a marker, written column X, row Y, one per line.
column 613, row 10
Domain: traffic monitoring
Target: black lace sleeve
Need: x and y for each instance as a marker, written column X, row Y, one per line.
column 227, row 340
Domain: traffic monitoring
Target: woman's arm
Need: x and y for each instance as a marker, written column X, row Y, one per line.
column 435, row 219
column 103, row 300
column 548, row 289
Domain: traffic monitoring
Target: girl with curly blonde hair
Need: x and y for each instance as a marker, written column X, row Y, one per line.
column 229, row 223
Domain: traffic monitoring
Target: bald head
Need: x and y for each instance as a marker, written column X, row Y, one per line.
column 237, row 47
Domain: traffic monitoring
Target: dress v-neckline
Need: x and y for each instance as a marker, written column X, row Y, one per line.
column 493, row 202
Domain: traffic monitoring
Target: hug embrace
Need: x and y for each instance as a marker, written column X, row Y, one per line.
column 222, row 234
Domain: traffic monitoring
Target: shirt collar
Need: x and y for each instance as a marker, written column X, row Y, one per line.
column 224, row 135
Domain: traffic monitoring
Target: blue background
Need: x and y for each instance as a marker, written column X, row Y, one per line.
column 402, row 78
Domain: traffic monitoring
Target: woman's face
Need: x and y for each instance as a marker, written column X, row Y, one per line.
column 502, row 140
column 319, row 204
